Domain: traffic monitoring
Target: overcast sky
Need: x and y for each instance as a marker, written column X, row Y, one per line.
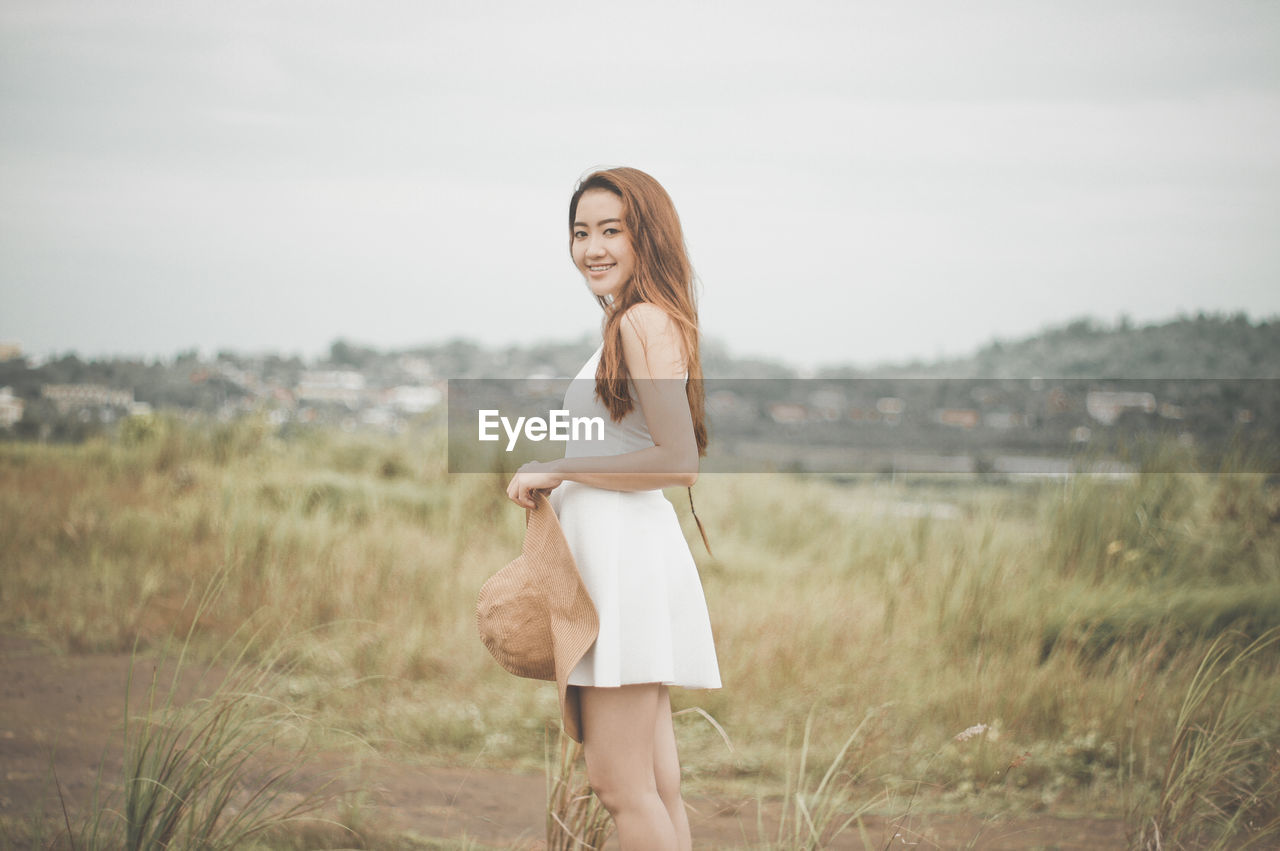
column 858, row 181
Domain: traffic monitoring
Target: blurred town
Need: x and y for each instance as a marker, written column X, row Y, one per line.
column 1205, row 382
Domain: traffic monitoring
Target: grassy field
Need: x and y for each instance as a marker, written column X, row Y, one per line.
column 997, row 647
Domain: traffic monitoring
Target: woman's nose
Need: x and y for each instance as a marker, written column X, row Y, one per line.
column 595, row 247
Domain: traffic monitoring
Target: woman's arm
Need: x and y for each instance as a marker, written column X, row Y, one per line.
column 653, row 350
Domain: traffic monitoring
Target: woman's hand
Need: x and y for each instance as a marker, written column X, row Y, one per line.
column 534, row 476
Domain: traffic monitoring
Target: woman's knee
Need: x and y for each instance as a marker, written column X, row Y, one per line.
column 624, row 797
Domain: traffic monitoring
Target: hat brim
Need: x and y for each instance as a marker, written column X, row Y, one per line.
column 574, row 622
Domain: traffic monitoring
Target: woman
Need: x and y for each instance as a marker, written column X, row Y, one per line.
column 645, row 383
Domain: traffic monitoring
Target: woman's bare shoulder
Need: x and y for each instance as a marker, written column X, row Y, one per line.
column 651, row 340
column 648, row 319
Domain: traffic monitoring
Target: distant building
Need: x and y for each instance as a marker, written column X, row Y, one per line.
column 11, row 407
column 957, row 417
column 10, row 351
column 416, row 367
column 338, row 386
column 890, row 408
column 247, row 381
column 890, row 405
column 1106, row 406
column 411, row 399
column 787, row 413
column 79, row 397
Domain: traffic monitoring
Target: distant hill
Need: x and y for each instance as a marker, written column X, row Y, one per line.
column 1203, row 346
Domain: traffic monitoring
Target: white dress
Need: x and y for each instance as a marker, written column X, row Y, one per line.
column 635, row 563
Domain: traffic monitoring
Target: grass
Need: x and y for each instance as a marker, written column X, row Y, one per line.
column 813, row 814
column 1221, row 783
column 214, row 772
column 1072, row 617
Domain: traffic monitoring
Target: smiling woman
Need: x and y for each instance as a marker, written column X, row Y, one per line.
column 644, row 382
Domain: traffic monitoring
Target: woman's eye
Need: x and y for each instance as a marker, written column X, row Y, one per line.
column 579, row 234
column 611, row 231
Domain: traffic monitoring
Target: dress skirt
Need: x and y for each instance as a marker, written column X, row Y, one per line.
column 637, row 567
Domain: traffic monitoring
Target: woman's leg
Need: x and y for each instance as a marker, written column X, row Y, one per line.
column 666, row 768
column 618, row 739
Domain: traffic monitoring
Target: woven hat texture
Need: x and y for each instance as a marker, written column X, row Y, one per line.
column 535, row 615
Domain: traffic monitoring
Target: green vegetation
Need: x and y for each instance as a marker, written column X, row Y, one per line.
column 1071, row 620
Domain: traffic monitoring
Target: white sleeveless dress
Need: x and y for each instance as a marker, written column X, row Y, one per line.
column 635, row 563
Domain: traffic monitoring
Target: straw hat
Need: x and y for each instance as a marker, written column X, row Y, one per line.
column 535, row 615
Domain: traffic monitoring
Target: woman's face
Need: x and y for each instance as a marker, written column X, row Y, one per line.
column 601, row 245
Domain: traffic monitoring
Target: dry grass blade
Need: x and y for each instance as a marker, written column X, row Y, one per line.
column 62, row 801
column 698, row 710
column 812, row 818
column 575, row 817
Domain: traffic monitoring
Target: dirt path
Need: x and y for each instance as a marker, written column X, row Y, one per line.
column 65, row 713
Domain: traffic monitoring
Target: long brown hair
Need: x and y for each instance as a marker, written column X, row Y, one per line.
column 663, row 277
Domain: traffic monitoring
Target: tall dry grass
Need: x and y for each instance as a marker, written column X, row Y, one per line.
column 815, row 811
column 575, row 817
column 1070, row 617
column 1221, row 783
column 220, row 768
column 203, row 774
